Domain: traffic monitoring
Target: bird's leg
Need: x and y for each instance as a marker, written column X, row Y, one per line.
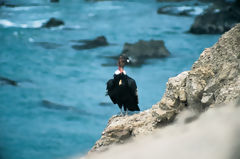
column 127, row 112
column 121, row 114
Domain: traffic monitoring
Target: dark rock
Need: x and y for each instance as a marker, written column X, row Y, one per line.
column 216, row 19
column 4, row 80
column 53, row 22
column 2, row 3
column 47, row 45
column 142, row 50
column 54, row 1
column 237, row 3
column 90, row 44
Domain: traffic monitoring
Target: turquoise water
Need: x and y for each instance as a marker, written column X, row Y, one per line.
column 76, row 79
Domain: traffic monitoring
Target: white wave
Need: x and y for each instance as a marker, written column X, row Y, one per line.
column 6, row 23
column 37, row 23
column 31, row 24
column 22, row 8
column 195, row 10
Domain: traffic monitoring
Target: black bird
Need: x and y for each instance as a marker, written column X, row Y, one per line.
column 122, row 89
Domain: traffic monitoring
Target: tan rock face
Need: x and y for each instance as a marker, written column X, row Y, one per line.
column 214, row 79
column 215, row 76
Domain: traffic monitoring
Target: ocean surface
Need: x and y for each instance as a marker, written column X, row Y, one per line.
column 59, row 108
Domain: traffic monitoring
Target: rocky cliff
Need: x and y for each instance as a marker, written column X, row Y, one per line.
column 213, row 80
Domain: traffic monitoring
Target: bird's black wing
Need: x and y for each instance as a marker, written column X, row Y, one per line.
column 133, row 89
column 110, row 90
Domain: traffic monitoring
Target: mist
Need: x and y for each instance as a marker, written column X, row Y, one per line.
column 213, row 135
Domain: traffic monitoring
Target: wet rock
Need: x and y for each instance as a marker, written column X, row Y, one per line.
column 142, row 50
column 216, row 19
column 90, row 44
column 53, row 22
column 4, row 81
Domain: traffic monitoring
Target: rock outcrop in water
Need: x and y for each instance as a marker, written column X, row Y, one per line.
column 142, row 50
column 217, row 19
column 4, row 81
column 213, row 80
column 91, row 44
column 53, row 22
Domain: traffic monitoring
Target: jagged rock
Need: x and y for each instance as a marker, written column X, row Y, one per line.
column 217, row 19
column 216, row 72
column 175, row 96
column 120, row 129
column 53, row 22
column 90, row 44
column 213, row 80
column 142, row 50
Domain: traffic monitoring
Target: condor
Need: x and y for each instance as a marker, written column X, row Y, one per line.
column 122, row 89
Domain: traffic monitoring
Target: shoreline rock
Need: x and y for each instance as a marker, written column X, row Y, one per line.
column 217, row 19
column 99, row 41
column 53, row 22
column 213, row 80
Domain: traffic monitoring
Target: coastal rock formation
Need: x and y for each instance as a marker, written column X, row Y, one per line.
column 91, row 44
column 142, row 50
column 213, row 80
column 217, row 19
column 53, row 22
